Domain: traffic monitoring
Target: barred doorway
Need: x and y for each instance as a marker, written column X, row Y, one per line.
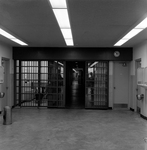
column 97, row 74
column 39, row 83
column 42, row 84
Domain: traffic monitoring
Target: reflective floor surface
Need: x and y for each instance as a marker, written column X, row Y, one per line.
column 73, row 129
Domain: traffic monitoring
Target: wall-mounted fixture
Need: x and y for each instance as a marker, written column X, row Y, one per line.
column 2, row 94
column 140, row 96
column 124, row 64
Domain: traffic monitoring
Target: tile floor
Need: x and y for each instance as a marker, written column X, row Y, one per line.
column 73, row 129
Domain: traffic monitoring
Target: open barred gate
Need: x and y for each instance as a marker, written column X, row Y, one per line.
column 42, row 83
column 39, row 83
column 97, row 75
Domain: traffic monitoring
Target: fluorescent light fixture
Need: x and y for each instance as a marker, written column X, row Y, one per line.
column 66, row 33
column 132, row 33
column 121, row 42
column 128, row 36
column 61, row 13
column 69, row 42
column 142, row 24
column 62, row 17
column 6, row 34
column 58, row 3
column 11, row 37
column 19, row 42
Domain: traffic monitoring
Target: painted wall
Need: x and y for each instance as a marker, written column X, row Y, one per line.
column 139, row 52
column 111, row 93
column 6, row 53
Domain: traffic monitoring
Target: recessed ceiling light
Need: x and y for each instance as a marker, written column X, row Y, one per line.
column 62, row 17
column 142, row 24
column 61, row 13
column 11, row 37
column 69, row 42
column 6, row 34
column 66, row 33
column 137, row 29
column 121, row 42
column 132, row 33
column 58, row 3
column 19, row 42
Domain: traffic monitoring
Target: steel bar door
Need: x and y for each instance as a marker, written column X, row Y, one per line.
column 39, row 83
column 96, row 84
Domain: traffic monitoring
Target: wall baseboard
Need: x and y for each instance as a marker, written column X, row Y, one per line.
column 142, row 116
column 131, row 109
column 120, row 105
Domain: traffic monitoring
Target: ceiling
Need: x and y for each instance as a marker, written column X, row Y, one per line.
column 94, row 23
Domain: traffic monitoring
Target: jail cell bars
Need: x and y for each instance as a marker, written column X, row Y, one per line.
column 96, row 85
column 39, row 84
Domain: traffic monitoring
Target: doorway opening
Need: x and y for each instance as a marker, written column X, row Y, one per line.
column 75, row 84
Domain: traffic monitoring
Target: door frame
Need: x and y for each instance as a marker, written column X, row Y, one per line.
column 114, row 88
column 100, row 88
column 136, row 108
column 7, row 82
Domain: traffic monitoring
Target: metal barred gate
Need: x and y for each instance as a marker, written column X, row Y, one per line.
column 97, row 76
column 42, row 84
column 39, row 83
